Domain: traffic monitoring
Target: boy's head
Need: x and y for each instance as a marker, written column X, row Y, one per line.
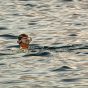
column 23, row 41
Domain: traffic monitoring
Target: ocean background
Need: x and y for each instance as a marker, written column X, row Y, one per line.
column 58, row 54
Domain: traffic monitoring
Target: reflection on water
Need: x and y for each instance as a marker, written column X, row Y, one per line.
column 58, row 54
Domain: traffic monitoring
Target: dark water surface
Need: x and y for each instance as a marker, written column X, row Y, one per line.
column 58, row 55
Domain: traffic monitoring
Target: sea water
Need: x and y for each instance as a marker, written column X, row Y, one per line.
column 58, row 54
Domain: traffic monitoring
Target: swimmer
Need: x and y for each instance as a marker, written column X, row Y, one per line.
column 24, row 41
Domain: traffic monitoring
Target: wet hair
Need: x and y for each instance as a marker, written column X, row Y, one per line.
column 21, row 36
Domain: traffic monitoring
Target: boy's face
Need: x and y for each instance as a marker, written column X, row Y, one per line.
column 24, row 40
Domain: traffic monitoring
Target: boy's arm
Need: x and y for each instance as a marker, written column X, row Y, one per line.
column 29, row 40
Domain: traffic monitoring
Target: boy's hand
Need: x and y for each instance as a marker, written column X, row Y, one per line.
column 30, row 39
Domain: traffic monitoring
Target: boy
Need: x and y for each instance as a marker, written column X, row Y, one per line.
column 23, row 41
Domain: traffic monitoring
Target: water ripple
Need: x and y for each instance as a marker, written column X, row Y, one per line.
column 8, row 36
column 63, row 68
